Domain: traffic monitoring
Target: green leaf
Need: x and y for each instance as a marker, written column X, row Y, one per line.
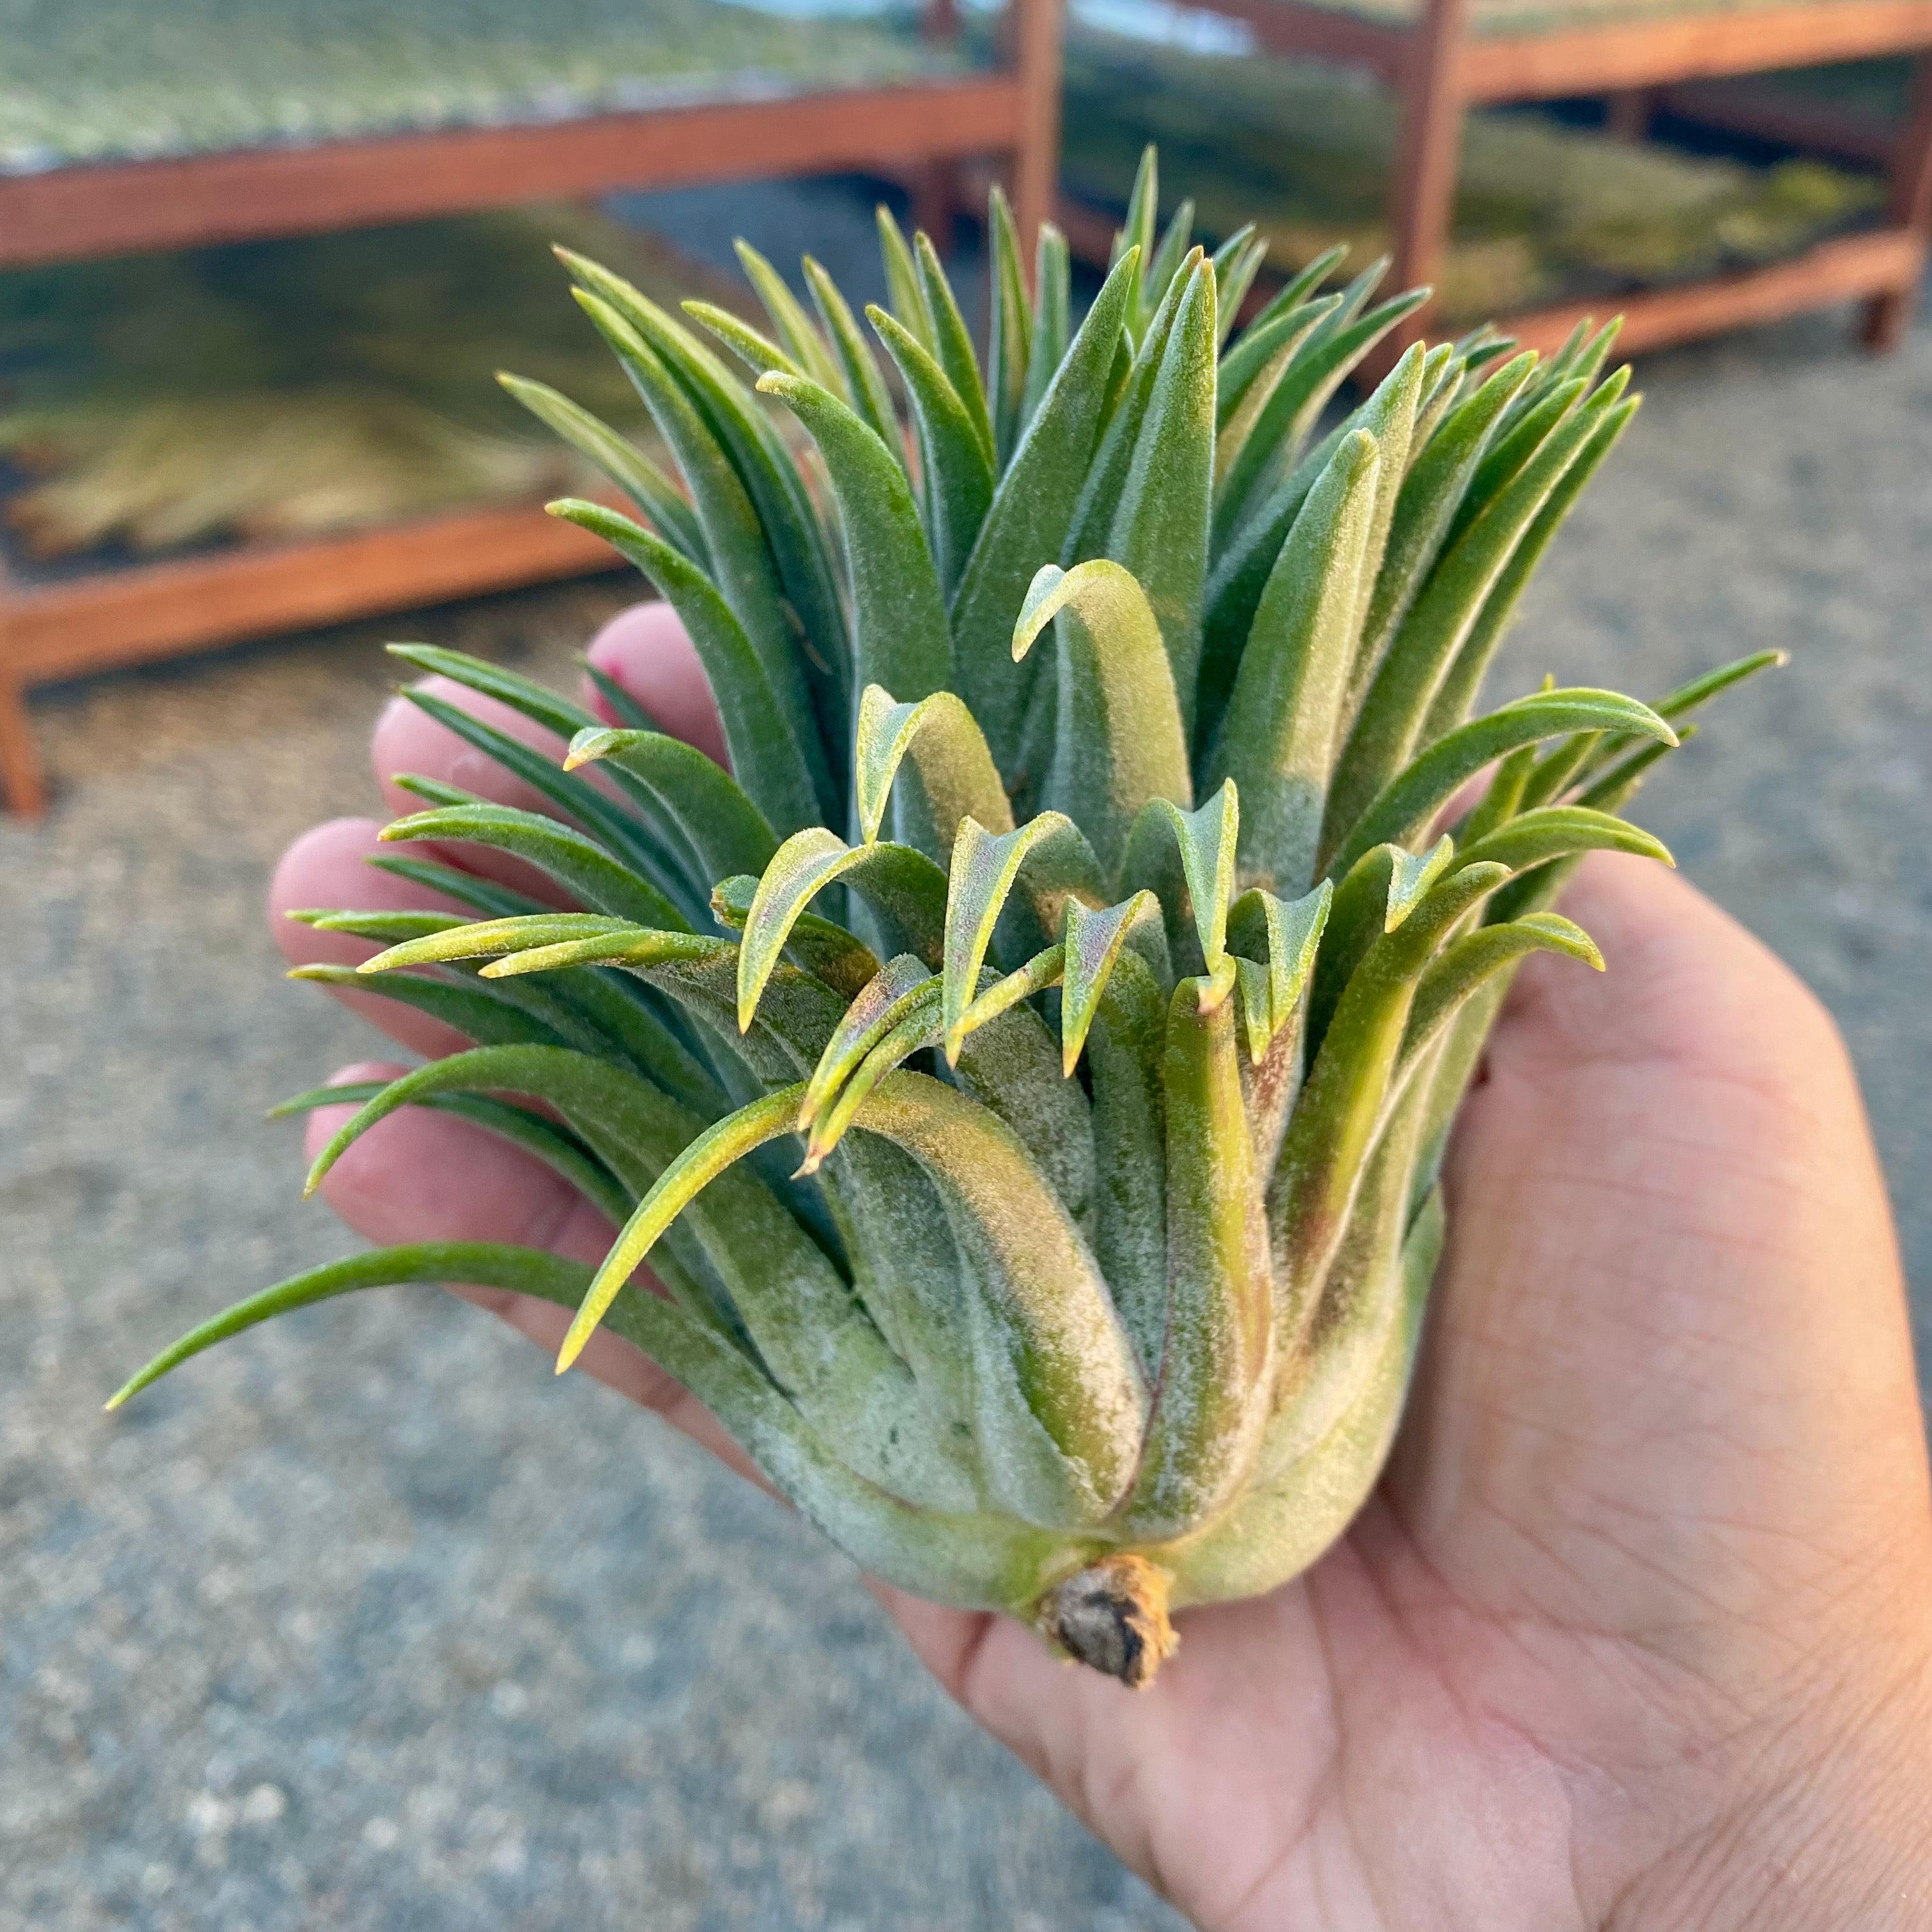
column 1410, row 800
column 1119, row 739
column 1554, row 831
column 1090, row 952
column 877, row 1008
column 631, row 1128
column 1421, row 653
column 1009, row 341
column 973, row 1559
column 914, row 1025
column 904, row 885
column 1341, row 1110
column 865, row 382
column 583, row 867
column 480, row 894
column 1257, row 355
column 1032, row 510
column 1301, row 286
column 817, row 945
column 1060, row 1399
column 1462, row 968
column 908, row 293
column 1052, row 277
column 1429, row 495
column 1456, row 696
column 956, row 777
column 479, row 939
column 1176, row 240
column 1010, row 1062
column 727, row 833
column 1380, row 891
column 759, row 353
column 1206, row 841
column 559, row 1150
column 1239, row 580
column 661, row 861
column 1137, row 232
column 488, row 1265
column 1236, row 263
column 901, row 639
column 1211, row 1398
column 1125, row 1045
column 734, row 532
column 958, row 474
column 1105, row 479
column 480, row 1013
column 803, row 343
column 1279, row 940
column 1060, row 865
column 765, row 465
column 767, row 759
column 1160, row 528
column 1279, row 740
column 951, row 345
column 1281, row 426
column 619, row 459
column 1699, row 691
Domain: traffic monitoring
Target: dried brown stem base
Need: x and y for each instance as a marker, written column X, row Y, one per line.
column 1112, row 1616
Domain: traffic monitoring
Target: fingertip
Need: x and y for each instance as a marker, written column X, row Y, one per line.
column 324, row 867
column 647, row 650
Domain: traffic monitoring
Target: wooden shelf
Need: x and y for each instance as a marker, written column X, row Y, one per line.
column 73, row 213
column 108, row 619
column 90, row 623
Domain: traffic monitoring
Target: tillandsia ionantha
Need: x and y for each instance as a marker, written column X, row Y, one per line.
column 1079, row 899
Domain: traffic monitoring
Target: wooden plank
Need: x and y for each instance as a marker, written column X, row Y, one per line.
column 1836, row 270
column 72, row 213
column 1689, row 46
column 1911, row 207
column 1422, row 185
column 1037, row 60
column 1322, row 32
column 154, row 611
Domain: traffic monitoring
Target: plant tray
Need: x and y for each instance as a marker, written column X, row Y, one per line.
column 90, row 81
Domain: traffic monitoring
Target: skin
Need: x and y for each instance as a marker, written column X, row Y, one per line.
column 1637, row 1630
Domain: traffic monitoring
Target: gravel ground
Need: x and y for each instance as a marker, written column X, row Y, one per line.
column 306, row 1639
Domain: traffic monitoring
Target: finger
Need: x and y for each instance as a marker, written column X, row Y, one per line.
column 407, row 741
column 646, row 649
column 328, row 866
column 421, row 1175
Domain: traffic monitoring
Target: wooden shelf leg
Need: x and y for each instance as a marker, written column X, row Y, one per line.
column 1628, row 112
column 22, row 780
column 1423, row 191
column 1036, row 58
column 1886, row 315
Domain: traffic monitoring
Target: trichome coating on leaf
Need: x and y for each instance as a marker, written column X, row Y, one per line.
column 1027, row 1070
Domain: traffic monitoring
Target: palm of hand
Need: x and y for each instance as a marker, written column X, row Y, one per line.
column 1655, row 1543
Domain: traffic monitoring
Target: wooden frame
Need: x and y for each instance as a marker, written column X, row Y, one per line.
column 92, row 623
column 1440, row 67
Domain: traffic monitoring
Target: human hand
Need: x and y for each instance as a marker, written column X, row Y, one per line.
column 1637, row 1631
